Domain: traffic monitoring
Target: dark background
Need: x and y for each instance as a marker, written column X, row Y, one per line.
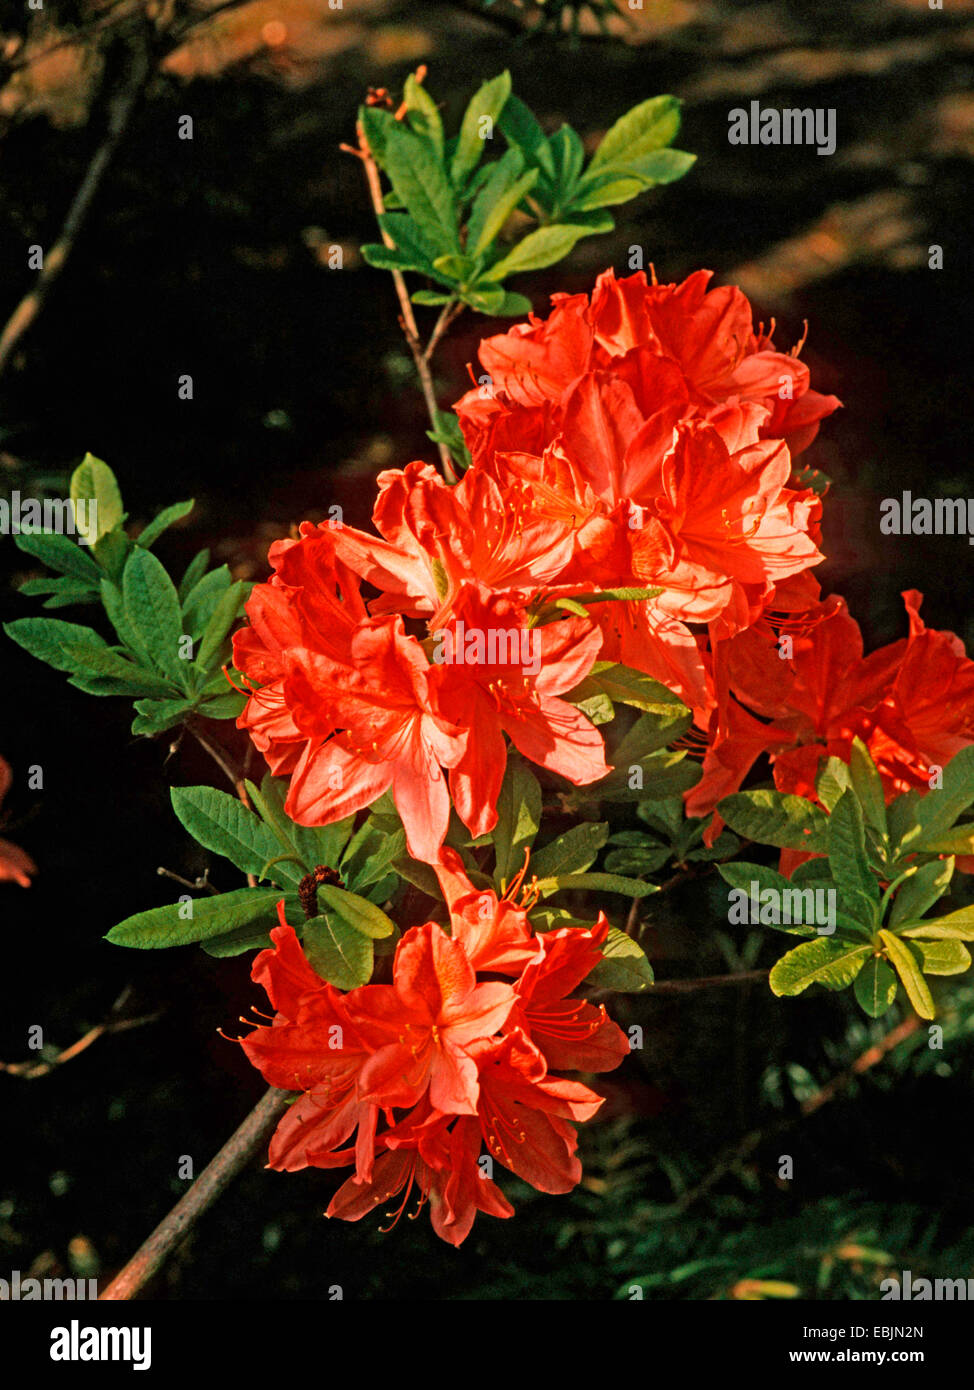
column 207, row 257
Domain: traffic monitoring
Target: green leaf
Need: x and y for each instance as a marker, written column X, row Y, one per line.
column 918, row 894
column 834, row 778
column 621, row 183
column 623, row 967
column 938, row 810
column 518, row 818
column 421, row 876
column 361, row 915
column 228, row 706
column 155, row 716
column 521, row 130
column 823, row 961
column 235, row 943
column 103, row 662
column 202, row 599
column 382, row 257
column 431, row 297
column 420, row 181
column 485, row 298
column 497, row 199
column 648, row 126
column 212, row 916
column 409, row 237
column 569, row 156
column 488, row 101
column 868, row 786
column 954, row 926
column 661, row 775
column 875, row 987
column 422, row 113
column 846, row 842
column 776, row 818
column 651, row 733
column 625, row 686
column 49, row 639
column 59, row 553
column 538, row 249
column 572, row 852
column 151, row 533
column 637, row 861
column 218, row 627
column 458, row 269
column 337, row 952
column 791, row 902
column 943, row 957
column 604, row 883
column 378, row 864
column 85, row 655
column 448, row 432
column 93, row 481
column 376, row 123
column 151, row 607
column 221, row 823
column 269, row 801
column 905, row 960
column 319, row 844
column 195, row 571
column 63, row 593
column 960, row 840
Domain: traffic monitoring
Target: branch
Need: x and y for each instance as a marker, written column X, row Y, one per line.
column 215, row 1177
column 705, row 982
column 30, row 1071
column 421, row 357
column 120, row 115
column 822, row 1096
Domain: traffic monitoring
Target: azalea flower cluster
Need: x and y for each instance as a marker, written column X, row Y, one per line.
column 582, row 404
column 430, row 1081
column 634, row 441
column 640, row 439
column 911, row 703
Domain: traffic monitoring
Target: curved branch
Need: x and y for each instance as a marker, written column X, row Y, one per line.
column 215, row 1177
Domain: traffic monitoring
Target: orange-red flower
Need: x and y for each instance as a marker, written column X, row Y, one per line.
column 911, row 702
column 16, row 865
column 637, row 343
column 417, row 1077
column 350, row 705
column 512, row 687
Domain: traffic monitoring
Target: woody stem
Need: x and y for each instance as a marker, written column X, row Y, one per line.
column 421, row 357
column 215, row 1177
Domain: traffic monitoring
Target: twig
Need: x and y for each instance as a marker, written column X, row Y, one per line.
column 863, row 1063
column 215, row 1177
column 202, row 882
column 449, row 314
column 120, row 114
column 30, row 1071
column 822, row 1096
column 421, row 357
column 116, row 17
column 706, row 982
